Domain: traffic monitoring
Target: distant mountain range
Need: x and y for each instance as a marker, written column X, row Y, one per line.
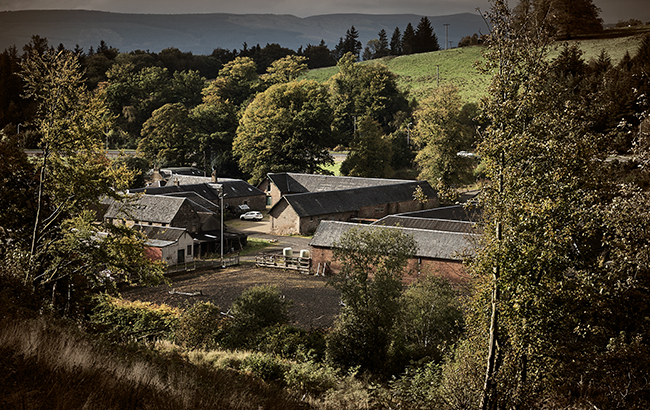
column 202, row 33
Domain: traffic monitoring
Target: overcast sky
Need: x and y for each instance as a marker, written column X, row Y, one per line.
column 612, row 10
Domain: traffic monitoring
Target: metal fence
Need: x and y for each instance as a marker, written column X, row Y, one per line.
column 232, row 260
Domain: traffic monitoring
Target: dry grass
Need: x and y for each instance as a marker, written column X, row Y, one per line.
column 53, row 367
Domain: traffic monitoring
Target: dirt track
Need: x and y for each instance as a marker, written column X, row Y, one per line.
column 314, row 303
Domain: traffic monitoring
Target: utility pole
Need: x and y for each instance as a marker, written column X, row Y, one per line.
column 446, row 35
column 408, row 134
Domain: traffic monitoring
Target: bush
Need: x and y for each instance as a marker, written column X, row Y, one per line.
column 259, row 307
column 417, row 387
column 311, row 378
column 293, row 343
column 266, row 367
column 126, row 320
column 255, row 309
column 200, row 326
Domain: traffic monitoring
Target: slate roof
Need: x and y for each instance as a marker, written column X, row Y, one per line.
column 199, row 203
column 291, row 183
column 454, row 212
column 350, row 200
column 426, row 223
column 180, row 179
column 149, row 208
column 431, row 244
column 207, row 191
column 233, row 188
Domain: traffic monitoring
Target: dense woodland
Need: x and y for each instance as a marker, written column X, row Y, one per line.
column 556, row 314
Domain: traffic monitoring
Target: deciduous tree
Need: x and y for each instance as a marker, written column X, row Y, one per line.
column 370, row 152
column 443, row 129
column 366, row 90
column 70, row 255
column 372, row 261
column 285, row 128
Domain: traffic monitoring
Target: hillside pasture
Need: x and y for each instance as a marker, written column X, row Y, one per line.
column 420, row 74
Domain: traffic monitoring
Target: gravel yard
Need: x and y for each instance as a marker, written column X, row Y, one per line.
column 314, row 303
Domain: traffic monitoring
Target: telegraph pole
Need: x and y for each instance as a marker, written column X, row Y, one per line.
column 446, row 35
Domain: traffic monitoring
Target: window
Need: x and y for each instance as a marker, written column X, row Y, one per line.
column 189, row 249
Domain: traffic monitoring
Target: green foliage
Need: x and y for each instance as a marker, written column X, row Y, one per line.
column 362, row 90
column 292, row 342
column 167, row 137
column 311, row 378
column 19, row 187
column 137, row 164
column 71, row 255
column 285, row 70
column 236, row 83
column 199, row 326
column 124, row 320
column 259, row 307
column 372, row 263
column 431, row 319
column 285, row 128
column 443, row 129
column 264, row 366
column 255, row 310
column 548, row 251
column 213, row 126
column 370, row 152
column 417, row 388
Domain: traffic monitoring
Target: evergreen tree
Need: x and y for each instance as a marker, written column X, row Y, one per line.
column 383, row 50
column 396, row 43
column 425, row 39
column 408, row 40
column 349, row 44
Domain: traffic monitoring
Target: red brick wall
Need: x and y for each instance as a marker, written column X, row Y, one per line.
column 453, row 271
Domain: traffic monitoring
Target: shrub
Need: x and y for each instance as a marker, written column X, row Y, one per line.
column 266, row 367
column 125, row 320
column 255, row 309
column 417, row 387
column 311, row 378
column 259, row 307
column 292, row 342
column 200, row 326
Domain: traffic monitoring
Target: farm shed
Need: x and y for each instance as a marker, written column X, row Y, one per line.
column 439, row 252
column 302, row 213
column 168, row 244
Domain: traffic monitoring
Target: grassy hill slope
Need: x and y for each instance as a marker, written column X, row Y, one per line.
column 418, row 73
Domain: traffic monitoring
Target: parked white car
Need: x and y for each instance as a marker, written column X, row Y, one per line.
column 252, row 215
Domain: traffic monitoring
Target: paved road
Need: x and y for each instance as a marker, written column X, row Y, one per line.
column 261, row 229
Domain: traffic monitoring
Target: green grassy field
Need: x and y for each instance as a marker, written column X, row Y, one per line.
column 419, row 74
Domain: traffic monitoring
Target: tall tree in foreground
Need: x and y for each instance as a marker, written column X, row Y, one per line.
column 70, row 255
column 558, row 273
column 540, row 161
column 372, row 264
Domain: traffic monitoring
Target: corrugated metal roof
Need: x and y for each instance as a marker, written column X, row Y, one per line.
column 431, row 244
column 161, row 233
